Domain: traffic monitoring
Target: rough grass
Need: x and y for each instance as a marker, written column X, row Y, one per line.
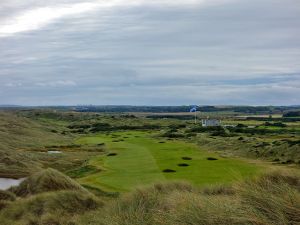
column 267, row 200
column 83, row 171
column 271, row 199
column 47, row 197
column 46, row 181
column 277, row 148
column 19, row 134
column 26, row 132
column 49, row 208
column 25, row 141
column 7, row 195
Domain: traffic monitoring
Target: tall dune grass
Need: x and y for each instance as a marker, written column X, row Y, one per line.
column 271, row 199
column 45, row 181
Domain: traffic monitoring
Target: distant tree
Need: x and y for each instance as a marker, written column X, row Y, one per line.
column 292, row 114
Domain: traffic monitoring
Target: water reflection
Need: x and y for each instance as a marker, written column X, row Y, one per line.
column 6, row 183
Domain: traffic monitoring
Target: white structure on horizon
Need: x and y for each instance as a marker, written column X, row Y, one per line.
column 211, row 123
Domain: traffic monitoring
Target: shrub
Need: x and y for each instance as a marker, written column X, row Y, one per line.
column 277, row 124
column 292, row 114
column 172, row 134
column 177, row 126
column 7, row 195
column 83, row 171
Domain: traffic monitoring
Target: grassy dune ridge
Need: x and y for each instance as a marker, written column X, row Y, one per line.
column 26, row 139
column 273, row 198
column 45, row 181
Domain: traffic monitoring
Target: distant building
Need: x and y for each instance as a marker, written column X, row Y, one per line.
column 211, row 123
column 229, row 125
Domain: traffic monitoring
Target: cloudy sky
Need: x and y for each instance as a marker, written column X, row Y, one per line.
column 150, row 52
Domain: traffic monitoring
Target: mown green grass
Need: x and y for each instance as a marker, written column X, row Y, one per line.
column 141, row 158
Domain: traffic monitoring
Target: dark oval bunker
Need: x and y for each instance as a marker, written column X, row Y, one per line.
column 211, row 158
column 186, row 158
column 183, row 164
column 169, row 171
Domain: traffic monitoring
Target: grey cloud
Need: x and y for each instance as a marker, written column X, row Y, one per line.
column 232, row 53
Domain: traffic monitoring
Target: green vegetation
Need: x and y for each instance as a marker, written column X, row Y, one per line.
column 43, row 197
column 45, row 181
column 273, row 198
column 180, row 109
column 26, row 138
column 292, row 114
column 89, row 168
column 7, row 195
column 140, row 158
column 49, row 208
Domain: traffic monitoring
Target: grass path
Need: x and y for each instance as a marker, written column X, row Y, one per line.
column 141, row 159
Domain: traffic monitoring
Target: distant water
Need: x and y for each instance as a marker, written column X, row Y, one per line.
column 54, row 152
column 6, row 183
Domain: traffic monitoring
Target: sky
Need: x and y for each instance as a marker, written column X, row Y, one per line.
column 150, row 52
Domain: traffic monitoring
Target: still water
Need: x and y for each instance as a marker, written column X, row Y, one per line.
column 54, row 152
column 6, row 183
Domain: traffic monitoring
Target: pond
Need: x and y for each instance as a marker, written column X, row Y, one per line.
column 6, row 183
column 54, row 152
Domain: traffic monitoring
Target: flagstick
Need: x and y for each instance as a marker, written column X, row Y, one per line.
column 196, row 117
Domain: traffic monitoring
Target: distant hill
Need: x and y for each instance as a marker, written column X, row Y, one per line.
column 162, row 109
column 174, row 109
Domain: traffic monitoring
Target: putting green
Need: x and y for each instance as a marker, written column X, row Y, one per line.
column 141, row 159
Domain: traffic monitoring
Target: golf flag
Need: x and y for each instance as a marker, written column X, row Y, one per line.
column 194, row 109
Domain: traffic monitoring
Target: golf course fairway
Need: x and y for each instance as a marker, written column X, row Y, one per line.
column 137, row 158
